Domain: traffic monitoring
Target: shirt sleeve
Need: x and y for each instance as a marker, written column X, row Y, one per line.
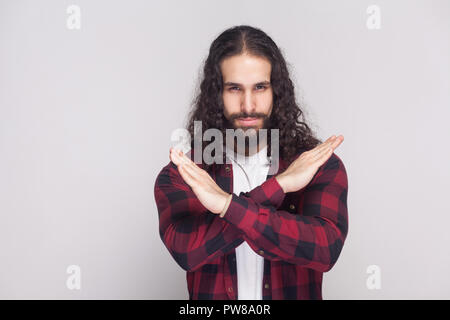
column 269, row 193
column 192, row 234
column 314, row 237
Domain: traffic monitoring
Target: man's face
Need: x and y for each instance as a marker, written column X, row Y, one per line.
column 247, row 92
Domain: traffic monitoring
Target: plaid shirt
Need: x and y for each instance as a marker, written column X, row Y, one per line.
column 299, row 234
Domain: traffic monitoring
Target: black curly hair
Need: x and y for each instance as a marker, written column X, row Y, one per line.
column 294, row 133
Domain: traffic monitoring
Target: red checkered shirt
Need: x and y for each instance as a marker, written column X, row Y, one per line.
column 299, row 234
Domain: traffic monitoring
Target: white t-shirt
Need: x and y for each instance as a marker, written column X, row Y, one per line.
column 250, row 265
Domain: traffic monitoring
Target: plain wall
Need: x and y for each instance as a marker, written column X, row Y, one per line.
column 86, row 117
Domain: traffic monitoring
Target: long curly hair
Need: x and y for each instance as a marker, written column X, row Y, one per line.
column 208, row 107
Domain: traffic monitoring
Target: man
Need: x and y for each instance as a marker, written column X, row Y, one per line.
column 238, row 231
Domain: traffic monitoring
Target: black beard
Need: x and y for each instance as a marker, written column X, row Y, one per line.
column 229, row 124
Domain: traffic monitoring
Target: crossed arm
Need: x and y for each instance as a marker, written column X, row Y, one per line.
column 189, row 203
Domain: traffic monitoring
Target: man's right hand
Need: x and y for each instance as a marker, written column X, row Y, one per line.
column 301, row 171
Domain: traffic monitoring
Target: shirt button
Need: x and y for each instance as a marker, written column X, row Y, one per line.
column 227, row 169
column 266, row 286
column 261, row 252
column 292, row 207
column 230, row 289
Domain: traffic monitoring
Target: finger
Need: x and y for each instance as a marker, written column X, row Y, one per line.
column 324, row 156
column 192, row 171
column 186, row 176
column 337, row 141
column 321, row 152
column 333, row 143
column 332, row 146
column 189, row 162
column 175, row 154
column 323, row 146
column 172, row 155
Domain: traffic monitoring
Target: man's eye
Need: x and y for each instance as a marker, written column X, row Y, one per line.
column 259, row 87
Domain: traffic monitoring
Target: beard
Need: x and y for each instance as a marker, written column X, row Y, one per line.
column 248, row 133
column 230, row 123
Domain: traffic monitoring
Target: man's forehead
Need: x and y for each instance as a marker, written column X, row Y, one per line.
column 245, row 71
column 232, row 83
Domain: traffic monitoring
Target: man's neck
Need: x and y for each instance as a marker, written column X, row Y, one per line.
column 250, row 151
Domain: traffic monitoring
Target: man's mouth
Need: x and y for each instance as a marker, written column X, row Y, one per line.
column 248, row 121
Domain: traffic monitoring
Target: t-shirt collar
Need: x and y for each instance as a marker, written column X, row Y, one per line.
column 260, row 157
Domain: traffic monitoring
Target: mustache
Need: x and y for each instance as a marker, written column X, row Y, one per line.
column 247, row 115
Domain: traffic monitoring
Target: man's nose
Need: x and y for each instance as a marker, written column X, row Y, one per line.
column 248, row 105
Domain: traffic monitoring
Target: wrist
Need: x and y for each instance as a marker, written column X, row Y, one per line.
column 229, row 196
column 281, row 179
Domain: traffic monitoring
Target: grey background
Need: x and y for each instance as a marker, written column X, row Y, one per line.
column 86, row 117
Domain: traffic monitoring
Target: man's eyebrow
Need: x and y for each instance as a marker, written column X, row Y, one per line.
column 228, row 83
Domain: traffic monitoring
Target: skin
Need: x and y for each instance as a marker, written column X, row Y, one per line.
column 247, row 92
column 247, row 97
